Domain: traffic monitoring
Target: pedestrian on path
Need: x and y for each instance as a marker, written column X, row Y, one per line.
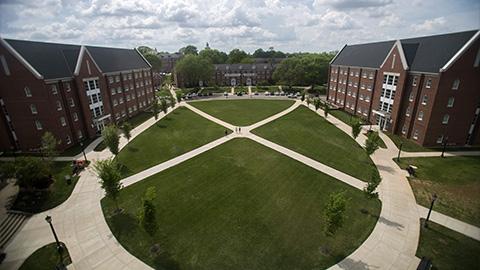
column 239, row 130
column 226, row 132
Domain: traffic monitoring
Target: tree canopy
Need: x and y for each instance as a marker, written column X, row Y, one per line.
column 271, row 53
column 303, row 69
column 215, row 56
column 238, row 56
column 193, row 69
column 189, row 49
column 154, row 61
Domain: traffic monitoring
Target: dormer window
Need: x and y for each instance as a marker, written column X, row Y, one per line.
column 428, row 84
column 54, row 89
column 455, row 84
column 28, row 93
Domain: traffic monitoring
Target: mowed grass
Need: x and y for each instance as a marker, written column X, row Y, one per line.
column 448, row 249
column 241, row 206
column 243, row 112
column 311, row 135
column 179, row 132
column 46, row 258
column 456, row 181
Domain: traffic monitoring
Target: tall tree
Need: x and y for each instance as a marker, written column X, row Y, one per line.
column 109, row 173
column 144, row 50
column 356, row 128
column 372, row 143
column 163, row 105
column 32, row 173
column 126, row 128
column 303, row 69
column 237, row 56
column 334, row 212
column 111, row 138
column 192, row 69
column 154, row 60
column 155, row 109
column 326, row 110
column 172, row 101
column 49, row 145
column 147, row 212
column 317, row 103
column 373, row 184
column 215, row 56
column 189, row 49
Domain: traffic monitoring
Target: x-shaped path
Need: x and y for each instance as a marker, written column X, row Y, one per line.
column 80, row 223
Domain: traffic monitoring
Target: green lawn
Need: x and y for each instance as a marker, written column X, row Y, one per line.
column 448, row 249
column 311, row 135
column 411, row 146
column 345, row 117
column 46, row 258
column 241, row 206
column 456, row 181
column 59, row 191
column 139, row 119
column 179, row 132
column 242, row 112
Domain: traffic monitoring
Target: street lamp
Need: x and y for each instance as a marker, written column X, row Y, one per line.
column 399, row 151
column 434, row 198
column 83, row 151
column 444, row 146
column 48, row 219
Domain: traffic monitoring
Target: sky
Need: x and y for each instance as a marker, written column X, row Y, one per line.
column 287, row 25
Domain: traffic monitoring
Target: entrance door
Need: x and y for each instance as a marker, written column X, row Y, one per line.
column 233, row 82
column 100, row 126
column 249, row 81
column 381, row 122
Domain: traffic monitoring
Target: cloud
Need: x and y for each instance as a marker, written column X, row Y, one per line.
column 353, row 4
column 430, row 25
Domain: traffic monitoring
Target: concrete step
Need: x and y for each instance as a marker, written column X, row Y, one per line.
column 10, row 225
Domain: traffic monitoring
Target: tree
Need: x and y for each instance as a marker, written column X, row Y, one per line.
column 154, row 60
column 333, row 212
column 49, row 145
column 372, row 185
column 236, row 56
column 163, row 105
column 372, row 143
column 108, row 172
column 189, row 49
column 326, row 110
column 32, row 173
column 111, row 138
column 303, row 69
column 144, row 50
column 179, row 96
column 147, row 212
column 316, row 103
column 356, row 128
column 155, row 109
column 126, row 128
column 172, row 101
column 215, row 56
column 308, row 101
column 192, row 69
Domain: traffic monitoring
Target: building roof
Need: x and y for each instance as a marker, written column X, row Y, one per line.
column 237, row 67
column 423, row 54
column 55, row 60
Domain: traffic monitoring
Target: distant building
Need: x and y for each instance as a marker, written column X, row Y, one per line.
column 168, row 61
column 426, row 89
column 72, row 91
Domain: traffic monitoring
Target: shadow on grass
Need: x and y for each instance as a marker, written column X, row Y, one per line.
column 165, row 261
column 123, row 224
column 124, row 170
column 132, row 149
column 161, row 126
column 348, row 263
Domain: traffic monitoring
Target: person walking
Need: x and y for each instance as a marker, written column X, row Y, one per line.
column 226, row 132
column 239, row 130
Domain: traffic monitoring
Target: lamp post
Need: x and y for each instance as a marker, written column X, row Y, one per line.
column 399, row 151
column 444, row 146
column 83, row 151
column 434, row 198
column 59, row 246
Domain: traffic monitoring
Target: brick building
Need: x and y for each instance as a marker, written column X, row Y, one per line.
column 168, row 61
column 426, row 89
column 72, row 91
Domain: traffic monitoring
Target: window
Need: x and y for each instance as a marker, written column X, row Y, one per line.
column 410, row 98
column 445, row 119
column 361, row 96
column 71, row 102
column 119, row 90
column 28, row 93
column 69, row 140
column 351, row 73
column 38, row 125
column 407, row 113
column 369, row 88
column 349, row 93
column 67, row 87
column 124, row 76
column 129, row 76
column 356, row 74
column 420, row 115
column 59, row 105
column 415, row 134
column 117, row 78
column 75, row 117
column 79, row 134
column 120, row 100
column 62, row 121
column 428, row 84
column 455, row 84
column 451, row 100
column 390, row 80
column 385, row 79
column 370, row 75
column 414, row 81
column 115, row 103
column 113, row 91
column 367, row 98
column 54, row 89
column 364, row 75
column 6, row 70
column 440, row 139
column 404, row 129
column 110, row 79
column 33, row 108
column 363, row 86
column 425, row 99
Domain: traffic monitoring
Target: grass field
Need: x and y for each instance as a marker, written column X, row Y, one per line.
column 58, row 193
column 244, row 207
column 179, row 132
column 448, row 249
column 311, row 135
column 456, row 181
column 45, row 258
column 242, row 112
column 345, row 117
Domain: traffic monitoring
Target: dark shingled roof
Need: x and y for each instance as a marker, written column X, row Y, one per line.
column 423, row 54
column 53, row 60
column 114, row 59
column 244, row 67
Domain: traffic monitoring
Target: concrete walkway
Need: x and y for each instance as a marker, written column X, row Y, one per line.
column 438, row 154
column 81, row 225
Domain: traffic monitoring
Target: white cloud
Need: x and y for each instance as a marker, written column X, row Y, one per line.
column 430, row 25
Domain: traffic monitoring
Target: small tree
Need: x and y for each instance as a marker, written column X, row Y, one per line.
column 316, row 103
column 326, row 110
column 147, row 212
column 164, row 105
column 356, row 128
column 172, row 101
column 179, row 96
column 155, row 109
column 333, row 212
column 49, row 145
column 109, row 174
column 111, row 138
column 303, row 97
column 372, row 185
column 308, row 100
column 126, row 128
column 372, row 143
column 32, row 173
